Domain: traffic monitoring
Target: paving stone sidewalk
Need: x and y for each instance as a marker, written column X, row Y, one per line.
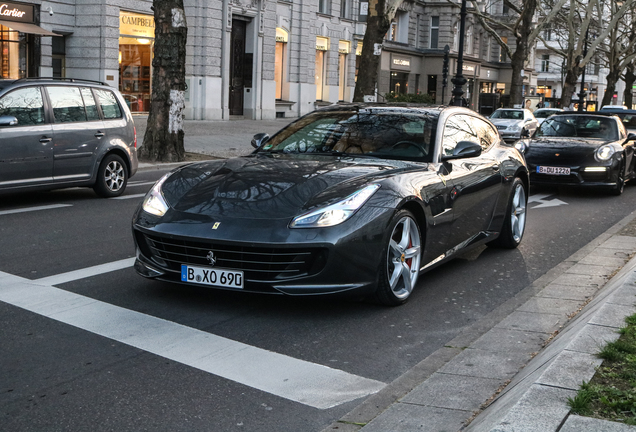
column 515, row 369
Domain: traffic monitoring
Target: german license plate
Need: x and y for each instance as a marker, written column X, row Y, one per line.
column 553, row 170
column 212, row 276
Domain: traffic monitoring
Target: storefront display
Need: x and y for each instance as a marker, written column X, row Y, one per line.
column 136, row 42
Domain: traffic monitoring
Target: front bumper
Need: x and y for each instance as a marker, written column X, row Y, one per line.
column 301, row 262
column 578, row 175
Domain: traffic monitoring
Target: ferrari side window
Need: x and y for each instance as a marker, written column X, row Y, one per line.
column 458, row 128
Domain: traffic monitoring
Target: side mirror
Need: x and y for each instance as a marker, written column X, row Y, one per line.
column 525, row 134
column 630, row 136
column 464, row 149
column 259, row 139
column 7, row 120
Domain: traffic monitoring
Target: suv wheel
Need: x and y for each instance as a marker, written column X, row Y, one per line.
column 112, row 177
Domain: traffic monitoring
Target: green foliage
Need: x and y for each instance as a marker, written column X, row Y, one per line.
column 409, row 97
column 611, row 394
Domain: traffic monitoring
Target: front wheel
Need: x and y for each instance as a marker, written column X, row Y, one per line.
column 620, row 179
column 112, row 177
column 515, row 219
column 401, row 260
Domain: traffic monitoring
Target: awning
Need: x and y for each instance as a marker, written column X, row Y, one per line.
column 28, row 28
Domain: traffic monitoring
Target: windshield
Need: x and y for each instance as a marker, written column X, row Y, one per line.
column 545, row 114
column 393, row 135
column 508, row 114
column 579, row 126
column 629, row 120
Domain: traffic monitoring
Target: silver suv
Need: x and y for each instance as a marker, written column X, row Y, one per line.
column 58, row 133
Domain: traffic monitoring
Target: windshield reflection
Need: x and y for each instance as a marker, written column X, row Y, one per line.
column 579, row 126
column 372, row 134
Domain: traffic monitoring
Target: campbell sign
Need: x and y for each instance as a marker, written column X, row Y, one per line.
column 136, row 25
column 16, row 12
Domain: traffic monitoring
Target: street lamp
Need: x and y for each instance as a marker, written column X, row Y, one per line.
column 459, row 79
column 582, row 93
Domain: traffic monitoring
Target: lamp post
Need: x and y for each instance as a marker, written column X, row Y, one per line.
column 582, row 93
column 459, row 79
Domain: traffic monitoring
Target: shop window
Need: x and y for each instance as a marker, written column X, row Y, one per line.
column 279, row 62
column 136, row 43
column 25, row 104
column 322, row 45
column 432, row 86
column 343, row 48
column 13, row 46
column 399, row 82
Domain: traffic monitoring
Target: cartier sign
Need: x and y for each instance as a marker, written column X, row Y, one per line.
column 16, row 12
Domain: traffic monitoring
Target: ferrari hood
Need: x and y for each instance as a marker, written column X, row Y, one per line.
column 273, row 186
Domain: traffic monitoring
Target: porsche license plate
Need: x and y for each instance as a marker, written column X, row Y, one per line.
column 553, row 170
column 212, row 276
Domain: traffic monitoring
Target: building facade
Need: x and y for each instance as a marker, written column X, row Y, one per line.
column 262, row 59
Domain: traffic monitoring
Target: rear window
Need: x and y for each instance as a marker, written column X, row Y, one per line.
column 108, row 103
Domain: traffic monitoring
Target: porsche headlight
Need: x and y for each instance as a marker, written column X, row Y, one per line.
column 155, row 203
column 604, row 153
column 335, row 213
column 522, row 146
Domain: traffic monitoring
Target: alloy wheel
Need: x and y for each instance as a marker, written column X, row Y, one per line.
column 403, row 258
column 518, row 213
column 114, row 176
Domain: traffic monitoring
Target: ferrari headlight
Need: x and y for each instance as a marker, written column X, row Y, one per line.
column 604, row 153
column 335, row 213
column 155, row 203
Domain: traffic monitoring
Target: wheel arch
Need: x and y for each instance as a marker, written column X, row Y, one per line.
column 119, row 152
column 420, row 216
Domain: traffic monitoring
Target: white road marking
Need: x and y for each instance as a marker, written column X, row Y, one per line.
column 141, row 183
column 297, row 380
column 122, row 197
column 87, row 272
column 540, row 198
column 29, row 209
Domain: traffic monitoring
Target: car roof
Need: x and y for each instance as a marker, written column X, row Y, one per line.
column 389, row 107
column 6, row 83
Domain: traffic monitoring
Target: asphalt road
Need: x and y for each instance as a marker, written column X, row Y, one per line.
column 60, row 377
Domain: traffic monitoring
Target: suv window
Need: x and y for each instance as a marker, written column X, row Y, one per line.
column 89, row 103
column 25, row 104
column 67, row 104
column 108, row 102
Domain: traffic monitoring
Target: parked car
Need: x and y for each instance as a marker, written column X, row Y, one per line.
column 514, row 123
column 628, row 117
column 581, row 149
column 58, row 133
column 543, row 113
column 613, row 108
column 348, row 199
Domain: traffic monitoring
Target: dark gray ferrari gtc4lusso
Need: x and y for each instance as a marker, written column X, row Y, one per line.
column 351, row 198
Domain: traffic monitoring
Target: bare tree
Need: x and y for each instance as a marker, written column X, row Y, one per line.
column 521, row 25
column 163, row 140
column 381, row 12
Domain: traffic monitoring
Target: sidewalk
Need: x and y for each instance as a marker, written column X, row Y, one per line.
column 514, row 369
column 218, row 138
column 498, row 376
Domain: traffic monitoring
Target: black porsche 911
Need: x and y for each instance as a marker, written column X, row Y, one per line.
column 581, row 149
column 351, row 198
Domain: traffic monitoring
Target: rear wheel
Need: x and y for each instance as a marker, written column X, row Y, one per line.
column 515, row 220
column 401, row 260
column 112, row 177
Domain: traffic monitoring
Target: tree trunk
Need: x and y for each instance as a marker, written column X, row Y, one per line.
column 521, row 52
column 377, row 26
column 630, row 78
column 569, row 86
column 163, row 140
column 612, row 79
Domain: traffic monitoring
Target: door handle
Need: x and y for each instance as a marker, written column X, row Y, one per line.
column 45, row 140
column 99, row 134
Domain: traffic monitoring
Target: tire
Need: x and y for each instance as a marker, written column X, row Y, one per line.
column 401, row 258
column 112, row 177
column 620, row 179
column 515, row 219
